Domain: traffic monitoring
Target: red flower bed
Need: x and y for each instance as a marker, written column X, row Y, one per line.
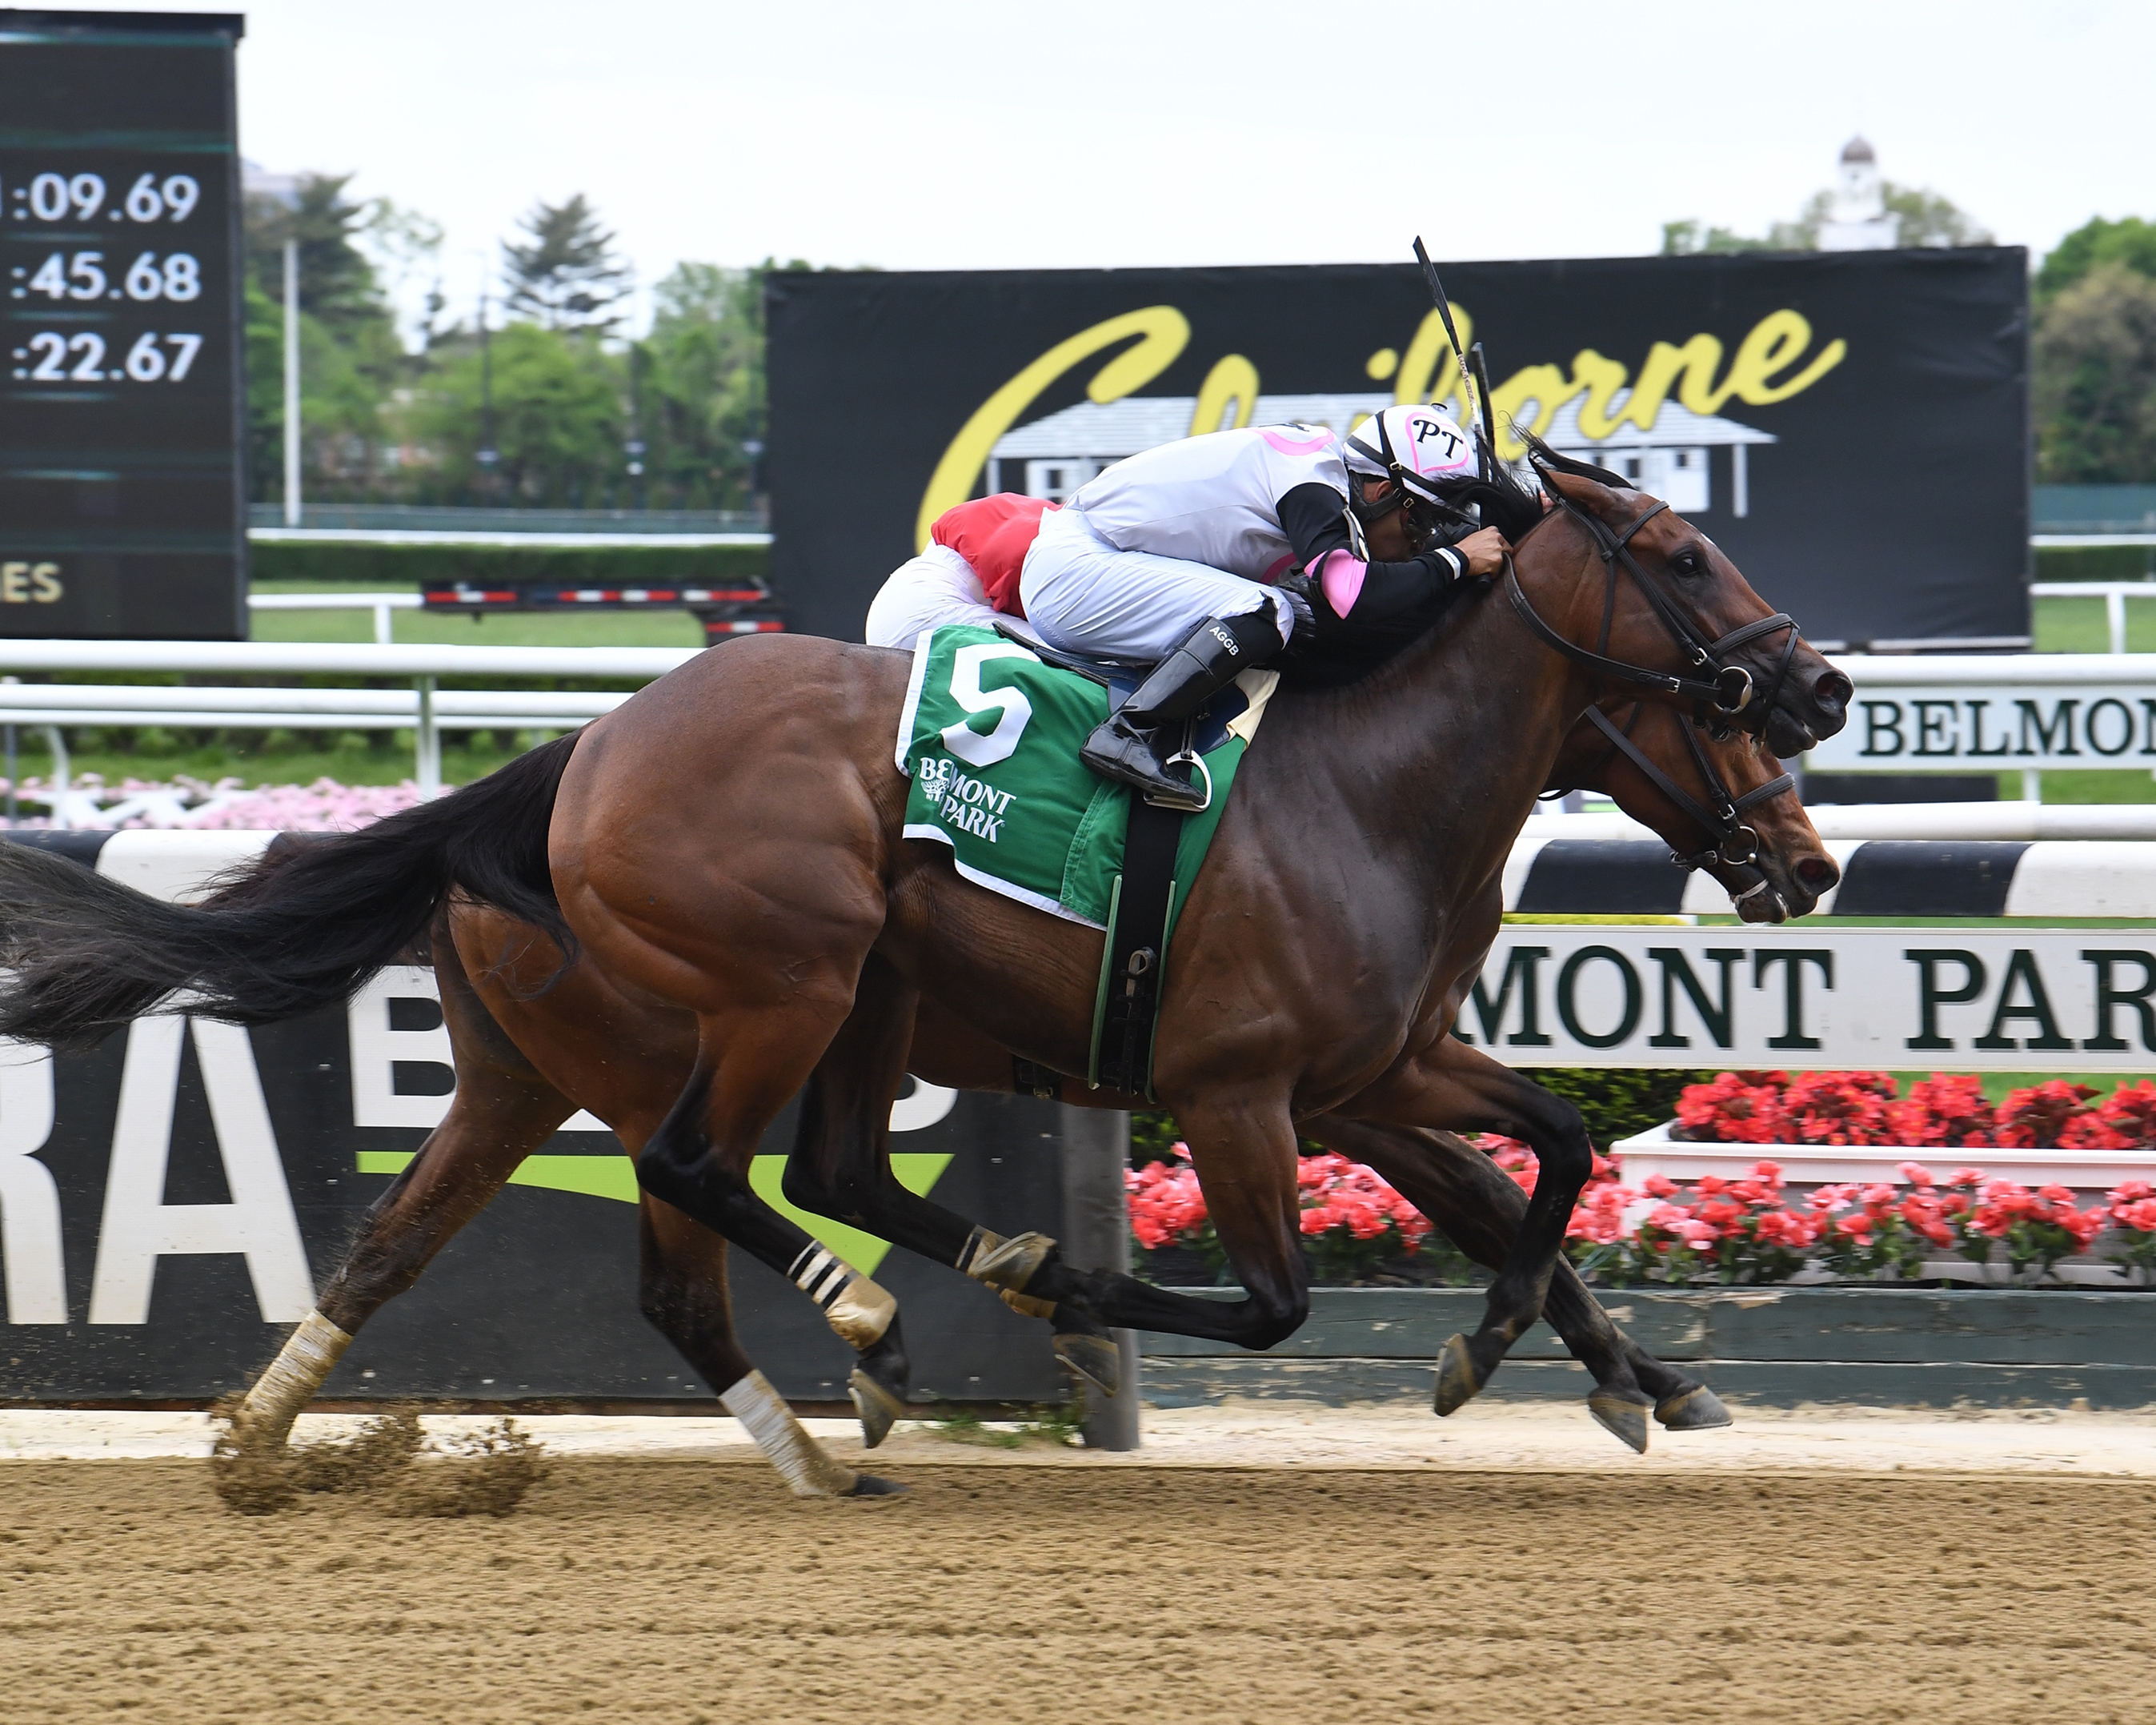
column 1942, row 1111
column 1742, row 1230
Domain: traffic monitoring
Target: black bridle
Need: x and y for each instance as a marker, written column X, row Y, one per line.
column 1718, row 691
column 1731, row 842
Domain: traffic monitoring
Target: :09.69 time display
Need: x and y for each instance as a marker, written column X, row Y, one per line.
column 84, row 198
column 57, row 356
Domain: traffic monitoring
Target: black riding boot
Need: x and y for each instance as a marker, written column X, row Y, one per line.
column 1132, row 746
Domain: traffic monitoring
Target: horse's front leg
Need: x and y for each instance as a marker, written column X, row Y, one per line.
column 1479, row 1207
column 1243, row 1146
column 1457, row 1086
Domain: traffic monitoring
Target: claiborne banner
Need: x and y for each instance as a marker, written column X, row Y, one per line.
column 1851, row 427
column 2035, row 1000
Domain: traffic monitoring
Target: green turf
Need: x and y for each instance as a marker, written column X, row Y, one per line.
column 586, row 628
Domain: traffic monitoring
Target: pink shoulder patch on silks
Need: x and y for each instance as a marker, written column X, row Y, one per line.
column 1289, row 445
column 1342, row 576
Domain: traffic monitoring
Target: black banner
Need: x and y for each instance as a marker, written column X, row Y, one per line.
column 169, row 1204
column 1851, row 427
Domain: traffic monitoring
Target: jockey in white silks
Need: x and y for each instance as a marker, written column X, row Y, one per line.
column 1169, row 557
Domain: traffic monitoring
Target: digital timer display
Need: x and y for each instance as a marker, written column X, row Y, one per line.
column 122, row 477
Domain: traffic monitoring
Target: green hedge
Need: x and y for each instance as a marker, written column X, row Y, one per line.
column 2116, row 562
column 1615, row 1103
column 397, row 566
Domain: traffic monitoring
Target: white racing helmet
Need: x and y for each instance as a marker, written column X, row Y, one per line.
column 1412, row 446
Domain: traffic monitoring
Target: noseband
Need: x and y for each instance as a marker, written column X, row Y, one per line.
column 1719, row 692
column 1735, row 844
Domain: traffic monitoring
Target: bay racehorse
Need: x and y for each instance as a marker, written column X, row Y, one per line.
column 528, row 1054
column 772, row 901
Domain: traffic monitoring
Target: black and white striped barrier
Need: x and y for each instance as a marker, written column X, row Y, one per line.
column 1880, row 877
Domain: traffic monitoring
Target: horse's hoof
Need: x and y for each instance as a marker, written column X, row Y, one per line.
column 1011, row 1264
column 1096, row 1358
column 1459, row 1380
column 1627, row 1421
column 876, row 1406
column 1697, row 1408
column 867, row 1485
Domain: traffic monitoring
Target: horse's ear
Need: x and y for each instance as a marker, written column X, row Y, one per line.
column 1587, row 493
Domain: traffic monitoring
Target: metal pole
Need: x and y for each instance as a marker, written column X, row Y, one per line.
column 60, row 776
column 12, row 775
column 1096, row 1235
column 381, row 631
column 2114, row 611
column 429, row 741
column 2032, row 785
column 291, row 382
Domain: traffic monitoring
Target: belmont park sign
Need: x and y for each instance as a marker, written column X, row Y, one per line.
column 2017, row 1000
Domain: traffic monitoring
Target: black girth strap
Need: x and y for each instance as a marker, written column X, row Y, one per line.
column 1138, row 938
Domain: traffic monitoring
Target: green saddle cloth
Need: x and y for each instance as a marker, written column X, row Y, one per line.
column 989, row 735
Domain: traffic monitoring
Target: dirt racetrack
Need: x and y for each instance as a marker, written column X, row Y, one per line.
column 678, row 1589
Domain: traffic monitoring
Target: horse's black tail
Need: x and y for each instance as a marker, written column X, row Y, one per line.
column 296, row 929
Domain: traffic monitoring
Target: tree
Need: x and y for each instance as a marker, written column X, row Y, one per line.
column 350, row 359
column 703, row 394
column 2131, row 243
column 568, row 277
column 337, row 281
column 2095, row 380
column 1927, row 219
column 557, row 417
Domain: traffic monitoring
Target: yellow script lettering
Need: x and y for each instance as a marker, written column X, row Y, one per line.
column 1599, row 378
column 1164, row 333
column 1235, row 379
column 1777, row 342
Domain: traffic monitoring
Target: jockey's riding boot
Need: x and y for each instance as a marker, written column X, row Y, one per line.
column 1131, row 746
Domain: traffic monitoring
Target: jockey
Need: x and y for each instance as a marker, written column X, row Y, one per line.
column 1169, row 556
column 968, row 573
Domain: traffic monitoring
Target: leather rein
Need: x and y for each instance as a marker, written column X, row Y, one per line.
column 1719, row 692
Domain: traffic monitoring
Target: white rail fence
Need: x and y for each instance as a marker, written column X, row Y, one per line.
column 425, row 708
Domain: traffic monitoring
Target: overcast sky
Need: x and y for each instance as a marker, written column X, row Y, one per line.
column 966, row 135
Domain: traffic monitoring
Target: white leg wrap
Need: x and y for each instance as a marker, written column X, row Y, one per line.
column 308, row 1356
column 858, row 1311
column 800, row 1460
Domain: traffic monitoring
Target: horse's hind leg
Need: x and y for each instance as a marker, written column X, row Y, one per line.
column 501, row 1112
column 840, row 1168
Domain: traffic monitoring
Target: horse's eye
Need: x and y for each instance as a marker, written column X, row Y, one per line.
column 1688, row 562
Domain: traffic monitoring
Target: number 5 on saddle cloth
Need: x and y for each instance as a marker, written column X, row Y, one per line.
column 989, row 736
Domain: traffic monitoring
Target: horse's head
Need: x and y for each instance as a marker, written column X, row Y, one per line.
column 1652, row 606
column 1723, row 805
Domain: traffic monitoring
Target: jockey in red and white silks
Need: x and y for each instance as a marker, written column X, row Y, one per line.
column 1170, row 557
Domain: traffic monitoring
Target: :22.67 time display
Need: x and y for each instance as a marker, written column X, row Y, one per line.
column 54, row 356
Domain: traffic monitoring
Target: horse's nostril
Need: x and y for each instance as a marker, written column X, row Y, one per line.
column 1832, row 690
column 1816, row 874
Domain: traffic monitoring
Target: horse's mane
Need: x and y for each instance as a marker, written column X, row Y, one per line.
column 1505, row 501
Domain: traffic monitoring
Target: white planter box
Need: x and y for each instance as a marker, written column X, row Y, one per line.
column 2089, row 1174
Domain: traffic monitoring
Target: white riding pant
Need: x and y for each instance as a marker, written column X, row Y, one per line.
column 1085, row 595
column 938, row 587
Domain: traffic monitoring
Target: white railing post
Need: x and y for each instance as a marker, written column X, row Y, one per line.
column 429, row 739
column 382, row 636
column 2114, row 613
column 61, row 775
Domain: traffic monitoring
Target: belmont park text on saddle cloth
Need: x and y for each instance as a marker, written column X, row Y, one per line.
column 989, row 735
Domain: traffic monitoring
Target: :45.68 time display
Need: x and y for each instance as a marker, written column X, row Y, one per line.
column 81, row 275
column 52, row 356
